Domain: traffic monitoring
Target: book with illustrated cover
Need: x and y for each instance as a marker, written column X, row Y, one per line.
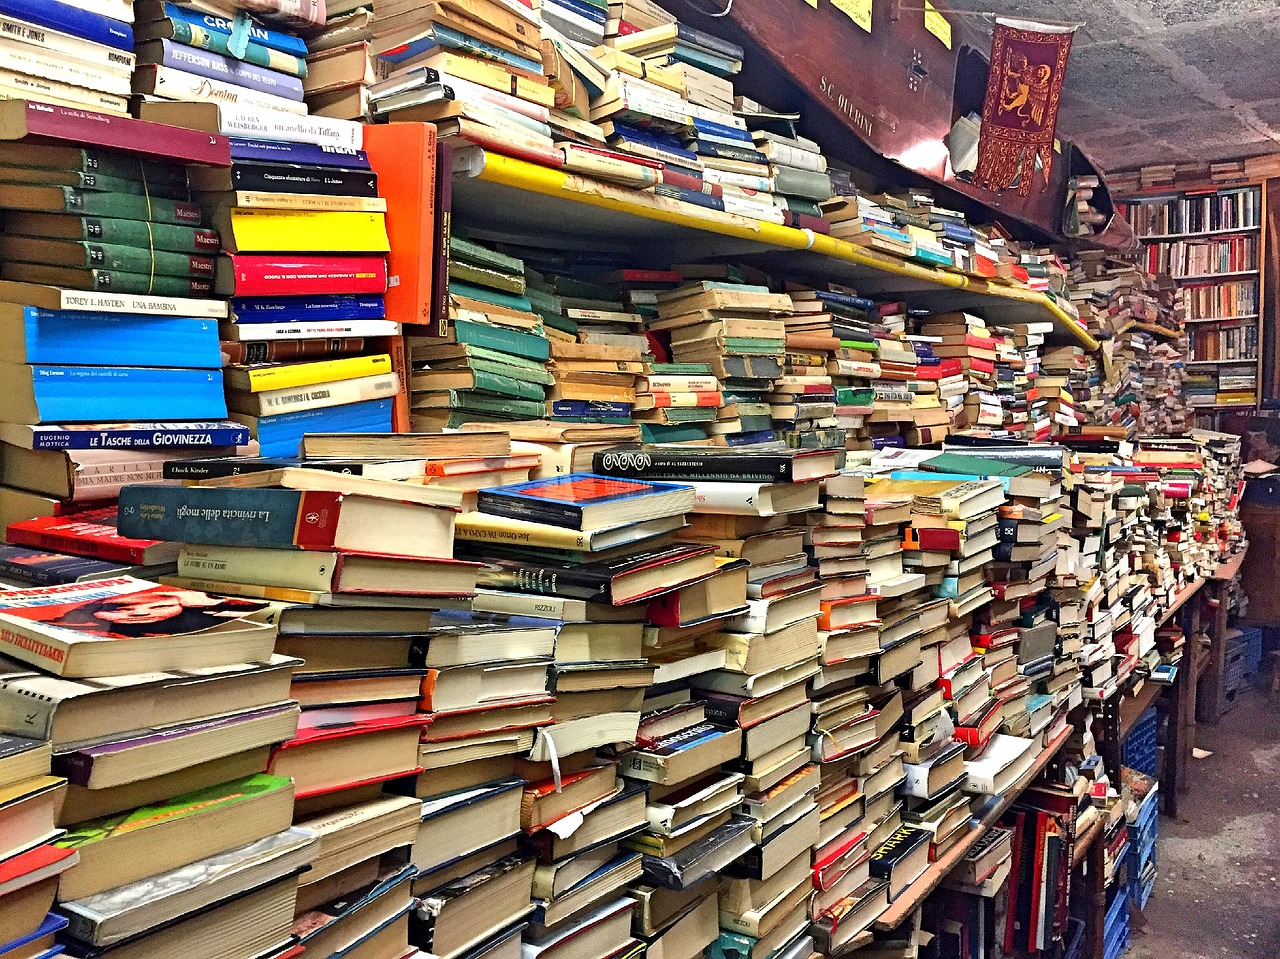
column 586, row 501
column 125, row 625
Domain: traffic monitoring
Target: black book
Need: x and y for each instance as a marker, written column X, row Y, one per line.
column 219, row 467
column 902, row 859
column 708, row 463
column 616, row 581
column 288, row 178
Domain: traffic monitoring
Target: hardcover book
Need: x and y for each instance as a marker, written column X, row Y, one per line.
column 585, row 501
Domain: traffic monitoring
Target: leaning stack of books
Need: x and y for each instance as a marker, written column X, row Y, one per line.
column 65, row 54
column 735, row 328
column 492, row 322
column 180, row 839
column 245, row 61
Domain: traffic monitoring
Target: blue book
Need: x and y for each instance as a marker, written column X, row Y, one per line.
column 721, row 130
column 72, row 19
column 52, row 923
column 696, row 197
column 581, row 8
column 127, row 436
column 591, row 408
column 275, row 39
column 281, row 435
column 307, row 309
column 237, row 72
column 97, row 394
column 846, row 299
column 119, row 339
column 585, row 501
column 306, row 154
column 40, row 567
column 440, row 36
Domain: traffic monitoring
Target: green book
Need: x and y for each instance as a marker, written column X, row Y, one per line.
column 855, row 396
column 562, row 323
column 494, row 297
column 97, row 229
column 525, row 374
column 502, row 340
column 66, row 199
column 752, row 345
column 570, row 286
column 690, row 414
column 180, row 807
column 681, row 369
column 489, row 382
column 474, row 253
column 48, row 156
column 191, row 35
column 486, row 277
column 104, row 256
column 516, row 366
column 961, row 464
column 671, row 433
column 497, row 405
column 96, row 182
column 106, row 281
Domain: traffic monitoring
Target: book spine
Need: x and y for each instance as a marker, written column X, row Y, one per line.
column 66, row 18
column 24, row 58
column 217, row 67
column 277, row 177
column 173, row 84
column 309, row 276
column 224, row 517
column 251, row 333
column 56, row 43
column 658, row 464
column 443, row 234
column 194, row 35
column 301, row 202
column 268, row 351
column 357, row 390
column 293, row 376
column 24, row 86
column 98, row 545
column 275, row 39
column 302, row 154
column 318, row 231
column 241, row 121
column 142, row 436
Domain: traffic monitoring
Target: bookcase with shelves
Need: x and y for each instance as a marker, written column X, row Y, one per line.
column 1210, row 241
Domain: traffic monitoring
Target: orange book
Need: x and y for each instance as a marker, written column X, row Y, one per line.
column 404, row 157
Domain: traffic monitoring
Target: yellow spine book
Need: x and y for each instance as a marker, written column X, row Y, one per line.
column 259, row 379
column 302, row 231
column 317, row 202
column 488, row 528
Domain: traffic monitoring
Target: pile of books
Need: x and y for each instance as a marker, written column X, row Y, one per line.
column 305, row 234
column 107, row 381
column 63, row 53
column 248, row 62
column 169, row 834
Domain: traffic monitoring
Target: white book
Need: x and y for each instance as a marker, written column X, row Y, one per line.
column 1005, row 760
column 115, row 9
column 321, row 395
column 51, row 41
column 34, row 61
column 175, row 84
column 21, row 86
column 247, row 332
column 122, row 302
column 234, row 120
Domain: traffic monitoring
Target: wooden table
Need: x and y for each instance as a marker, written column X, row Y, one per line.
column 915, row 894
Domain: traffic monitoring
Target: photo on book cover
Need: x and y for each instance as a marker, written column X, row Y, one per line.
column 123, row 608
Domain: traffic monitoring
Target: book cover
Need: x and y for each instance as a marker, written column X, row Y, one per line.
column 562, row 499
column 139, row 234
column 57, row 337
column 300, row 154
column 91, row 436
column 92, row 534
column 589, row 581
column 303, row 231
column 56, row 393
column 248, row 275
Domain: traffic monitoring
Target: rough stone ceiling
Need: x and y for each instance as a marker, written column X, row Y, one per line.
column 1159, row 81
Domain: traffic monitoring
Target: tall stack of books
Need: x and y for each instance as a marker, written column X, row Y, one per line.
column 306, row 234
column 178, row 837
column 737, row 329
column 493, row 357
column 187, row 54
column 65, row 54
column 106, row 379
column 667, row 389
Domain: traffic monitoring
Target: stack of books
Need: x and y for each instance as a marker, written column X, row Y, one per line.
column 667, row 389
column 297, row 220
column 177, row 837
column 107, row 380
column 493, row 357
column 187, row 54
column 65, row 54
column 737, row 329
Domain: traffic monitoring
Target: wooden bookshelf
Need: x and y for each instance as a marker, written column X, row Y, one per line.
column 932, row 877
column 503, row 195
column 1221, row 211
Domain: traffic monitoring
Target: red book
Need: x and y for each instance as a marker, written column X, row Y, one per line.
column 522, row 148
column 950, row 366
column 34, row 865
column 927, row 538
column 625, row 28
column 80, row 128
column 688, row 181
column 665, row 401
column 90, row 534
column 245, row 275
column 806, row 221
column 327, row 759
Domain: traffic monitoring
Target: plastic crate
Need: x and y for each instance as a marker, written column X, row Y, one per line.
column 1139, row 749
column 1073, row 939
column 1115, row 928
column 1248, row 639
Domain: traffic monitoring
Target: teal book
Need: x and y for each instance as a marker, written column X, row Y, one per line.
column 502, row 340
column 511, row 301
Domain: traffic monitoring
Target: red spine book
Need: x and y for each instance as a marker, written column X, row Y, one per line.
column 245, row 275
column 91, row 534
column 269, row 351
column 806, row 221
column 153, row 141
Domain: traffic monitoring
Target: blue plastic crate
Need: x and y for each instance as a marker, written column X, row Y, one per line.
column 1115, row 928
column 1250, row 641
column 1139, row 749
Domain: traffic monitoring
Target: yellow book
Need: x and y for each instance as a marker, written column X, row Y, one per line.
column 488, row 528
column 301, row 231
column 272, row 376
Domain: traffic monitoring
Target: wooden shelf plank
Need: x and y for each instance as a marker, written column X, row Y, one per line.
column 1180, row 600
column 915, row 894
column 1232, row 566
column 1132, row 707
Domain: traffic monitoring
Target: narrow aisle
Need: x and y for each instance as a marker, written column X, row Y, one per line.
column 1218, row 888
